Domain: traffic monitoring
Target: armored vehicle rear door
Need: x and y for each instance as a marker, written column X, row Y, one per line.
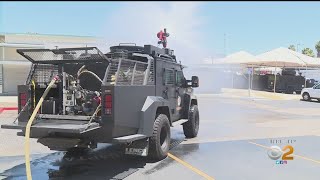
column 169, row 85
column 180, row 93
column 169, row 91
column 174, row 90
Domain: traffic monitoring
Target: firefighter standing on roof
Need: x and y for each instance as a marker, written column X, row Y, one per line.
column 163, row 37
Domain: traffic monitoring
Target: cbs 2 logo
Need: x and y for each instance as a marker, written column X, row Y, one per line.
column 275, row 152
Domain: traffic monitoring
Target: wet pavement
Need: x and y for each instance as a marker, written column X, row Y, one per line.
column 232, row 144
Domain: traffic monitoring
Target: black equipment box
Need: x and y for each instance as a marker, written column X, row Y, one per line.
column 48, row 107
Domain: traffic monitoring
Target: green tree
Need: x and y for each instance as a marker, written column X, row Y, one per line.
column 292, row 47
column 318, row 48
column 308, row 52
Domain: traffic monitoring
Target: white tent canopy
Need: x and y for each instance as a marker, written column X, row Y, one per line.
column 284, row 57
column 241, row 57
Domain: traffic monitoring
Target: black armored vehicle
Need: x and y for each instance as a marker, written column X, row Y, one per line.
column 288, row 82
column 131, row 95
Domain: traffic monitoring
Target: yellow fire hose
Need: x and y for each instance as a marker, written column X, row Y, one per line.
column 28, row 127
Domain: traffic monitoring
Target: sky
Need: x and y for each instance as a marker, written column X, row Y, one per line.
column 197, row 29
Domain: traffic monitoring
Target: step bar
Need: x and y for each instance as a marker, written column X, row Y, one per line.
column 134, row 137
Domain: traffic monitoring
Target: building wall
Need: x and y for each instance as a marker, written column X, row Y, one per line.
column 2, row 38
column 42, row 39
column 12, row 55
column 1, row 67
column 15, row 73
column 1, row 81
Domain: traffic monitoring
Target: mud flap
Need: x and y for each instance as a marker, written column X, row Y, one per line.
column 138, row 148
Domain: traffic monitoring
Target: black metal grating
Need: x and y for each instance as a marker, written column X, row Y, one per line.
column 129, row 72
column 43, row 73
column 140, row 73
column 44, row 55
column 169, row 76
column 151, row 75
column 113, row 68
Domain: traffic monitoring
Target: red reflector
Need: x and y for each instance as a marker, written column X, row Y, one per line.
column 23, row 99
column 108, row 104
column 23, row 102
column 23, row 96
column 108, row 98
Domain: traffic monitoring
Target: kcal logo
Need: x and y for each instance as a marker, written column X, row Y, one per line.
column 275, row 153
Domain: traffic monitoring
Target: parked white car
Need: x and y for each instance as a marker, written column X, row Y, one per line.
column 311, row 93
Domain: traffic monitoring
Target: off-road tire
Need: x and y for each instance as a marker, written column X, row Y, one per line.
column 306, row 96
column 160, row 139
column 191, row 127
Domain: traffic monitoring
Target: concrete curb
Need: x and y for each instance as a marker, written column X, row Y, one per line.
column 8, row 109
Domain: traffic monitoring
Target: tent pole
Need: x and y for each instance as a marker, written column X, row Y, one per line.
column 232, row 78
column 305, row 78
column 249, row 80
column 252, row 77
column 275, row 79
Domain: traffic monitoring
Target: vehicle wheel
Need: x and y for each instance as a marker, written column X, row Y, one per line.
column 191, row 127
column 160, row 139
column 306, row 96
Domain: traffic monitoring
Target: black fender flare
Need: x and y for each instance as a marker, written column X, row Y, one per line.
column 189, row 99
column 148, row 114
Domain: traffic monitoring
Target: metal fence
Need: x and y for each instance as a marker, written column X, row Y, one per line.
column 130, row 72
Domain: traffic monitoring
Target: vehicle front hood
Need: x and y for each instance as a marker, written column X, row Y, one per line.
column 305, row 89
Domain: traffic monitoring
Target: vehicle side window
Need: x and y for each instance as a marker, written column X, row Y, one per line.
column 179, row 78
column 317, row 86
column 168, row 77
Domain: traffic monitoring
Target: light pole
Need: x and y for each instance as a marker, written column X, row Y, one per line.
column 298, row 46
column 225, row 44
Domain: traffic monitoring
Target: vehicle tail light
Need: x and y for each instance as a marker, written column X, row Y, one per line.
column 108, row 104
column 23, row 99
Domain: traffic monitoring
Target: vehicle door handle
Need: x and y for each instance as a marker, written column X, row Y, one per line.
column 165, row 92
column 177, row 92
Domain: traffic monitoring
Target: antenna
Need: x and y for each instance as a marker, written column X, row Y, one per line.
column 224, row 44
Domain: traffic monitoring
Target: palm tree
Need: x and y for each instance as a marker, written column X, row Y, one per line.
column 292, row 47
column 318, row 48
column 308, row 52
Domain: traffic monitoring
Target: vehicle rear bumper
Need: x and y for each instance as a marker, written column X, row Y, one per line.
column 52, row 127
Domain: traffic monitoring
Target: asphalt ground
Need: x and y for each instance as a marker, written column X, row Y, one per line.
column 235, row 135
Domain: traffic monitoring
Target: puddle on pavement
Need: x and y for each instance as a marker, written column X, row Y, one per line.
column 108, row 162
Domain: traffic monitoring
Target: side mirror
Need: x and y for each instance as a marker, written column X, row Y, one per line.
column 195, row 81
